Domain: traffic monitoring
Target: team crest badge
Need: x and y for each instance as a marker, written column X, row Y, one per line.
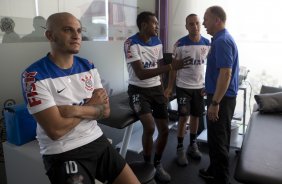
column 203, row 51
column 88, row 82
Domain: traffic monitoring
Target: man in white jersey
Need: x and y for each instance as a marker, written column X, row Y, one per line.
column 189, row 86
column 143, row 51
column 65, row 95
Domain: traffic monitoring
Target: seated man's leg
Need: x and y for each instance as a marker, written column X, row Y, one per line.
column 160, row 114
column 147, row 102
column 147, row 121
column 95, row 160
column 161, row 174
column 112, row 167
column 162, row 126
column 140, row 102
column 126, row 176
column 69, row 172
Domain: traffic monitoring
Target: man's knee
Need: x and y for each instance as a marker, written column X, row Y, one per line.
column 183, row 111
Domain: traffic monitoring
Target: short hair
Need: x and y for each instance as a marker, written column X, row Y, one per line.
column 52, row 20
column 219, row 12
column 191, row 15
column 144, row 17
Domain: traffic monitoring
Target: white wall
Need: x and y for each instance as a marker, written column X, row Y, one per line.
column 146, row 5
column 15, row 8
column 14, row 58
column 255, row 26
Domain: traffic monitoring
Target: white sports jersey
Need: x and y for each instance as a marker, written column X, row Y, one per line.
column 191, row 76
column 46, row 85
column 148, row 53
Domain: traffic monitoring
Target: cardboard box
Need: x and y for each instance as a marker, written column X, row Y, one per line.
column 20, row 125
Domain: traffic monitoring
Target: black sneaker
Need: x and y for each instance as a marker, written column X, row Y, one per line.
column 205, row 174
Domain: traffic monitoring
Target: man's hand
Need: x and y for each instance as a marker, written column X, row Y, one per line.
column 213, row 112
column 97, row 107
column 187, row 60
column 180, row 63
column 106, row 111
column 99, row 97
column 177, row 64
column 168, row 93
column 203, row 92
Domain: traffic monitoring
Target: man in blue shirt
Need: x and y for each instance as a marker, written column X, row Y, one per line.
column 221, row 83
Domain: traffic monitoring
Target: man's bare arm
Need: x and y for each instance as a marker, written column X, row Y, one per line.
column 143, row 73
column 59, row 120
column 222, row 83
column 54, row 124
column 171, row 83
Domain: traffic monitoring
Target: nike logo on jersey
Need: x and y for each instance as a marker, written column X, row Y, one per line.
column 59, row 91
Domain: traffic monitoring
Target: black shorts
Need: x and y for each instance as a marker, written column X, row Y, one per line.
column 148, row 100
column 97, row 159
column 190, row 102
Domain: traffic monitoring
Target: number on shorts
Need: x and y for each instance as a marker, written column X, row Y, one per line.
column 135, row 98
column 71, row 167
column 182, row 100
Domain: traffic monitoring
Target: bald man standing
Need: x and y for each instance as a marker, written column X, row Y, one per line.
column 221, row 85
column 64, row 94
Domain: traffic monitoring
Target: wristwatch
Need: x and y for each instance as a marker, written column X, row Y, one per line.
column 214, row 103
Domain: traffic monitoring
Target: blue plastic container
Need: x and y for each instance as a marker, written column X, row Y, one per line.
column 20, row 125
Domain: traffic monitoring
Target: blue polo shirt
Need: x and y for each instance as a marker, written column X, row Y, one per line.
column 223, row 54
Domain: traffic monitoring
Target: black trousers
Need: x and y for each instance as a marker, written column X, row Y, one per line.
column 219, row 139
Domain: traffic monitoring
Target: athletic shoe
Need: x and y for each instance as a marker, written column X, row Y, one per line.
column 181, row 157
column 193, row 151
column 161, row 175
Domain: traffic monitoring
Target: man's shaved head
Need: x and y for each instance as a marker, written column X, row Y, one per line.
column 57, row 18
column 63, row 30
